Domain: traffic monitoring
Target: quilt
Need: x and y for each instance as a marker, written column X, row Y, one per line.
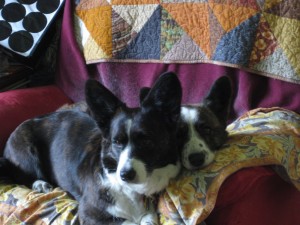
column 260, row 36
column 260, row 137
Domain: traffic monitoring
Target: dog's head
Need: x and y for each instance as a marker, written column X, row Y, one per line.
column 203, row 127
column 139, row 148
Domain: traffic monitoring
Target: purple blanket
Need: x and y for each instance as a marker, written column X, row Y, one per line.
column 125, row 79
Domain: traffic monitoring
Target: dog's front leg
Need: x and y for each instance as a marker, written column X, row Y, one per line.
column 94, row 212
column 150, row 219
column 87, row 219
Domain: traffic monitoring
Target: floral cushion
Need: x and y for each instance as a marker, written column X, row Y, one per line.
column 260, row 137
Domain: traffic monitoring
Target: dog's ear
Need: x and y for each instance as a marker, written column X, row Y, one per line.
column 143, row 93
column 102, row 103
column 165, row 97
column 219, row 98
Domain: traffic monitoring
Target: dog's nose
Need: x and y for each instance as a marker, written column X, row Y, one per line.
column 128, row 174
column 197, row 159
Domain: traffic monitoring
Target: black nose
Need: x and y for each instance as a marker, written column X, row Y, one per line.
column 128, row 174
column 197, row 159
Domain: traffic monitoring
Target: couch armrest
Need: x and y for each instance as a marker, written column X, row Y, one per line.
column 19, row 105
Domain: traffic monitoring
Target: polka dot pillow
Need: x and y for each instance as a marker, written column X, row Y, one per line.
column 24, row 22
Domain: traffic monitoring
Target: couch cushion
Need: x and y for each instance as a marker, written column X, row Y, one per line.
column 256, row 196
column 19, row 105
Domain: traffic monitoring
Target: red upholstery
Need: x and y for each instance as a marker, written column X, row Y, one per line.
column 19, row 105
column 256, row 196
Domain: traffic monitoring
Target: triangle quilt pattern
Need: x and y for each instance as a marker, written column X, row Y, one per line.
column 230, row 48
column 242, row 34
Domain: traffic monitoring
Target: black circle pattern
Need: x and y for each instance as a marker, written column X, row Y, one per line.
column 13, row 12
column 6, row 30
column 35, row 22
column 47, row 6
column 20, row 41
column 23, row 40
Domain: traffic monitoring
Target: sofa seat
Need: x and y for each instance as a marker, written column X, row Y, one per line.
column 19, row 105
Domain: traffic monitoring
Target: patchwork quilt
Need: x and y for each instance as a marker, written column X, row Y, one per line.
column 261, row 36
column 260, row 137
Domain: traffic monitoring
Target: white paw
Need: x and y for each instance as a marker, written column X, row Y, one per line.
column 42, row 186
column 150, row 219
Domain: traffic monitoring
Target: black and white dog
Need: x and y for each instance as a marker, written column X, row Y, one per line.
column 203, row 127
column 107, row 161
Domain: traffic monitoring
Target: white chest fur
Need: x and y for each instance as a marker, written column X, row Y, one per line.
column 130, row 206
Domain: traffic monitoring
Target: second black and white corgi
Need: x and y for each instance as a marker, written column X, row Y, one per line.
column 203, row 126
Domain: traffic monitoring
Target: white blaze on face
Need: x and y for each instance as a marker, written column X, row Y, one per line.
column 127, row 162
column 195, row 143
column 189, row 115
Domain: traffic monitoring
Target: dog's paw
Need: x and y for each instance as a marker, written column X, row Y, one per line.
column 127, row 222
column 42, row 186
column 149, row 219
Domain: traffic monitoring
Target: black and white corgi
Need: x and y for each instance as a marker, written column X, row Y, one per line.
column 108, row 160
column 203, row 126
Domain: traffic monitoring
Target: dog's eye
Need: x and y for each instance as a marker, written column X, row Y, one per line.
column 117, row 143
column 204, row 130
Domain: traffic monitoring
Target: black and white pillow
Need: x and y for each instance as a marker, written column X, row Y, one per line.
column 24, row 22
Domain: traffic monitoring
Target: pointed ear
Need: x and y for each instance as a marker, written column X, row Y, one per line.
column 219, row 98
column 143, row 93
column 102, row 103
column 165, row 97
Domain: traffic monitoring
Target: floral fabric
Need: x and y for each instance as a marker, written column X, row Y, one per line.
column 260, row 137
column 20, row 205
